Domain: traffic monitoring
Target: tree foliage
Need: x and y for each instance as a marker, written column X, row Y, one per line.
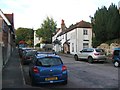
column 48, row 27
column 105, row 24
column 25, row 34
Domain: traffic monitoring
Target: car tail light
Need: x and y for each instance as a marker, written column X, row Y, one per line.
column 96, row 54
column 35, row 70
column 64, row 68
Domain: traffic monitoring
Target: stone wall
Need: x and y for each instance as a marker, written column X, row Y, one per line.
column 109, row 48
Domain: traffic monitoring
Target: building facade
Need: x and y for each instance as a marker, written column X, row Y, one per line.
column 7, row 37
column 75, row 38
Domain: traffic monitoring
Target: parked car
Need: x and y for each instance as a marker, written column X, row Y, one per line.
column 91, row 54
column 47, row 68
column 28, row 55
column 116, row 57
column 21, row 50
column 43, row 52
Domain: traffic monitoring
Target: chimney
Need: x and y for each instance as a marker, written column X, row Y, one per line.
column 63, row 25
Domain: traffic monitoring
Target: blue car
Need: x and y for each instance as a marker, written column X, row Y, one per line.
column 116, row 57
column 47, row 68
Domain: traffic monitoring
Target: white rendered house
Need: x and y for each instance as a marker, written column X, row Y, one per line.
column 76, row 37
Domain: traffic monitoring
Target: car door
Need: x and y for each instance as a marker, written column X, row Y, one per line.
column 82, row 54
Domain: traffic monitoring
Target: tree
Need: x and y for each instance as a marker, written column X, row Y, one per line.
column 113, row 24
column 48, row 27
column 25, row 34
column 105, row 24
column 99, row 27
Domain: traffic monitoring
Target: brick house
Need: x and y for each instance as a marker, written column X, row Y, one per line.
column 7, row 36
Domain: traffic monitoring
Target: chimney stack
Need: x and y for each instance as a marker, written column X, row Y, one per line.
column 63, row 25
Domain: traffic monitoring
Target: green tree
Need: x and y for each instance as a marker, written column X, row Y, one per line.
column 113, row 24
column 25, row 34
column 99, row 27
column 105, row 24
column 48, row 27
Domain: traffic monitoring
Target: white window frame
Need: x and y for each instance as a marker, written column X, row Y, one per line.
column 85, row 32
column 85, row 45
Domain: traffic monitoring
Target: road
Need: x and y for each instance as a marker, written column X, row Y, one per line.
column 82, row 74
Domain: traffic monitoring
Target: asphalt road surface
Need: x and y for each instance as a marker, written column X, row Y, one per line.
column 82, row 74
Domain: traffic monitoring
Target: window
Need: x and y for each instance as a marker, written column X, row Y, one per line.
column 85, row 45
column 90, row 50
column 49, row 61
column 85, row 32
column 99, row 50
column 84, row 50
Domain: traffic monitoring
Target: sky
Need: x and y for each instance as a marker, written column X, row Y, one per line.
column 31, row 13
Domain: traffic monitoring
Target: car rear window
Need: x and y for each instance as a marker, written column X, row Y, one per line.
column 99, row 50
column 49, row 61
column 31, row 53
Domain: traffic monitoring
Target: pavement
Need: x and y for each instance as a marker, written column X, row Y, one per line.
column 12, row 76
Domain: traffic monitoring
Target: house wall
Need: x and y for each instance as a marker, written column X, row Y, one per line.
column 6, row 44
column 6, row 38
column 76, row 39
column 9, row 45
column 63, row 40
column 72, row 39
column 1, row 58
column 84, row 38
column 0, row 29
column 55, row 36
column 5, row 48
column 79, row 40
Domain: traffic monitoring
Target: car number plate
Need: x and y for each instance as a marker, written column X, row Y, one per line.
column 51, row 78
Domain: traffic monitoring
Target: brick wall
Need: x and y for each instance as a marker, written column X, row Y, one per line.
column 0, row 29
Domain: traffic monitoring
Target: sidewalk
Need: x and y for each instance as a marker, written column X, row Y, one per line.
column 12, row 76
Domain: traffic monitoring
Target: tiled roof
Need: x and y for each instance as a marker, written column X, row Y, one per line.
column 4, row 17
column 10, row 18
column 83, row 24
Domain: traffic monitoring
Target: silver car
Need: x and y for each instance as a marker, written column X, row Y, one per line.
column 91, row 54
